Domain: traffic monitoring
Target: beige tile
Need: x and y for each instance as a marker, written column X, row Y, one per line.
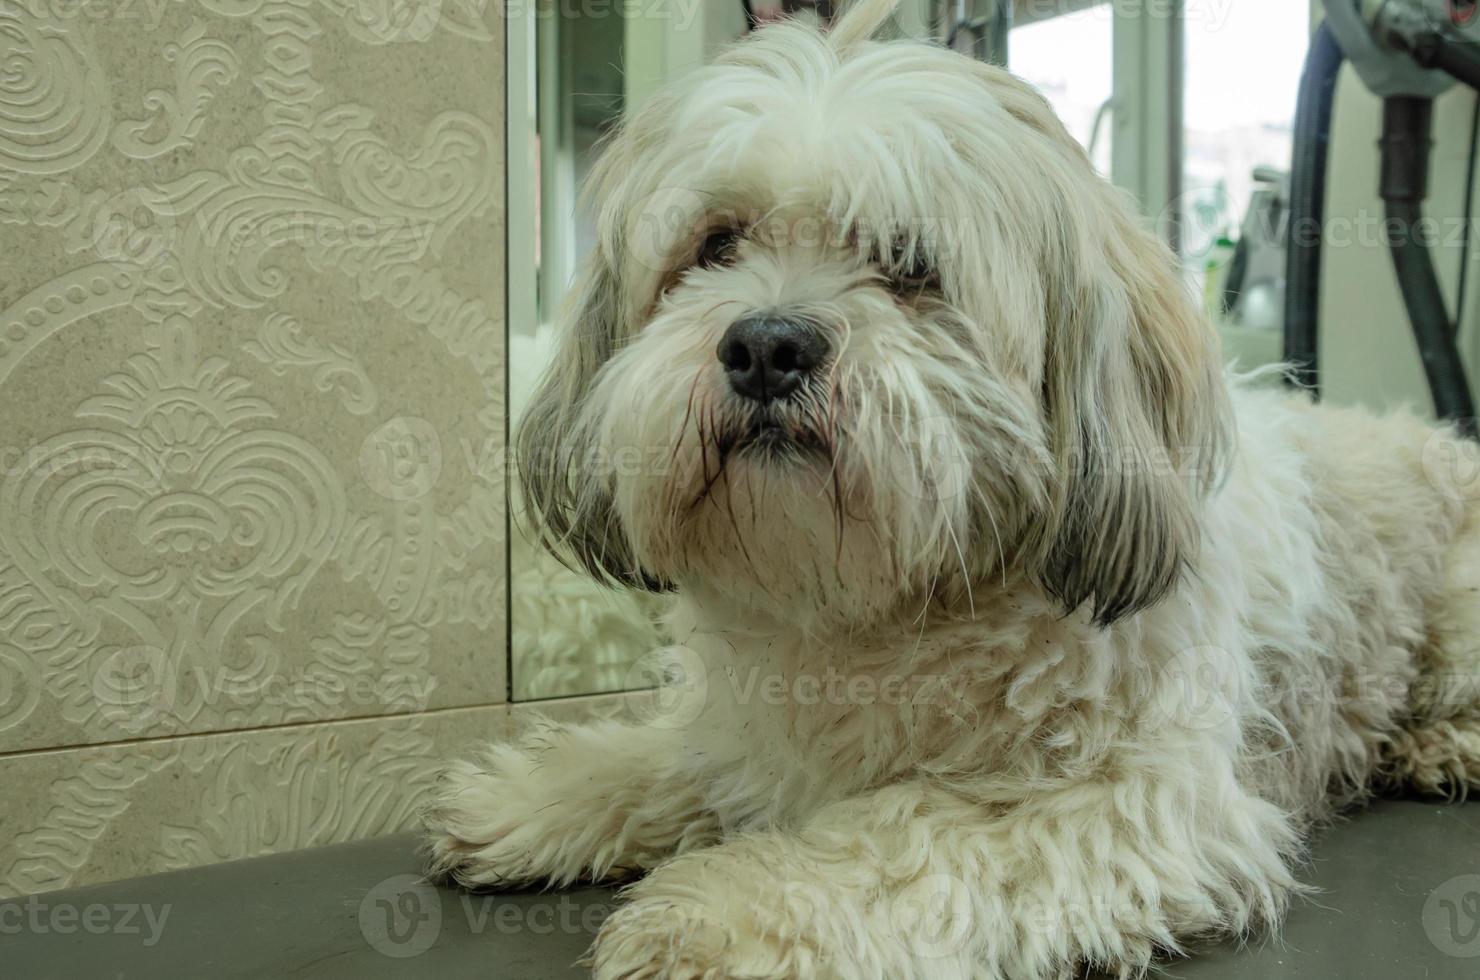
column 630, row 705
column 251, row 367
column 102, row 813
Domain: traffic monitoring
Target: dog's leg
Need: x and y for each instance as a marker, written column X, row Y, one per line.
column 565, row 803
column 1440, row 758
column 1438, row 750
column 915, row 881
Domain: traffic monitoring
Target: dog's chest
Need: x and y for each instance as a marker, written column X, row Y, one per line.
column 796, row 724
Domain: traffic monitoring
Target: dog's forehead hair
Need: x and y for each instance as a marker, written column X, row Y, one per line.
column 895, row 142
column 802, row 221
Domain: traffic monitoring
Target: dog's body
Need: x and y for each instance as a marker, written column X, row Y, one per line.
column 1014, row 638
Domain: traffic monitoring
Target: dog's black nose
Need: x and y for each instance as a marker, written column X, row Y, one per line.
column 767, row 357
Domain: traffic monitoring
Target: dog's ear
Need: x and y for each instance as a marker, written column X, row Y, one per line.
column 567, row 496
column 1136, row 408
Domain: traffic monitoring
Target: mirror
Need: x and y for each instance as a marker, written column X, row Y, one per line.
column 574, row 69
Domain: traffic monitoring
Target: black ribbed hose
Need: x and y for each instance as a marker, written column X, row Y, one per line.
column 1406, row 140
column 1307, row 216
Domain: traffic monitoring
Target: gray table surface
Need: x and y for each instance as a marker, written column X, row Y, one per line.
column 1400, row 900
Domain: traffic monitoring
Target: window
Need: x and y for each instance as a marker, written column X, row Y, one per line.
column 1069, row 57
column 1238, row 125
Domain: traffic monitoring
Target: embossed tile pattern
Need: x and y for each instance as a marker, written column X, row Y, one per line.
column 251, row 406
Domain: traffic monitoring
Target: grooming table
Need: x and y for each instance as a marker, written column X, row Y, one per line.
column 1401, row 900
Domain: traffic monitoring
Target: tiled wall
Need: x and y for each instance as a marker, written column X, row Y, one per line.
column 251, row 416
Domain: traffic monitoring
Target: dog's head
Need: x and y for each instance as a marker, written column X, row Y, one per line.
column 862, row 325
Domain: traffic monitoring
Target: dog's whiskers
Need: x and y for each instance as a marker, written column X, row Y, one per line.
column 735, row 525
column 687, row 415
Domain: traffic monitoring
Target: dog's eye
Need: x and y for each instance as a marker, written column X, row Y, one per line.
column 719, row 247
column 907, row 265
column 916, row 274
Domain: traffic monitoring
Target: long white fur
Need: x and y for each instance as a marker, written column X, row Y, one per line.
column 1145, row 626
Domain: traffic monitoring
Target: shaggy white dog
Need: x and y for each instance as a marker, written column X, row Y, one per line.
column 1012, row 637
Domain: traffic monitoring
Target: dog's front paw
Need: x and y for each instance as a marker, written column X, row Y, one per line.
column 658, row 940
column 664, row 940
column 483, row 824
column 564, row 804
column 703, row 917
